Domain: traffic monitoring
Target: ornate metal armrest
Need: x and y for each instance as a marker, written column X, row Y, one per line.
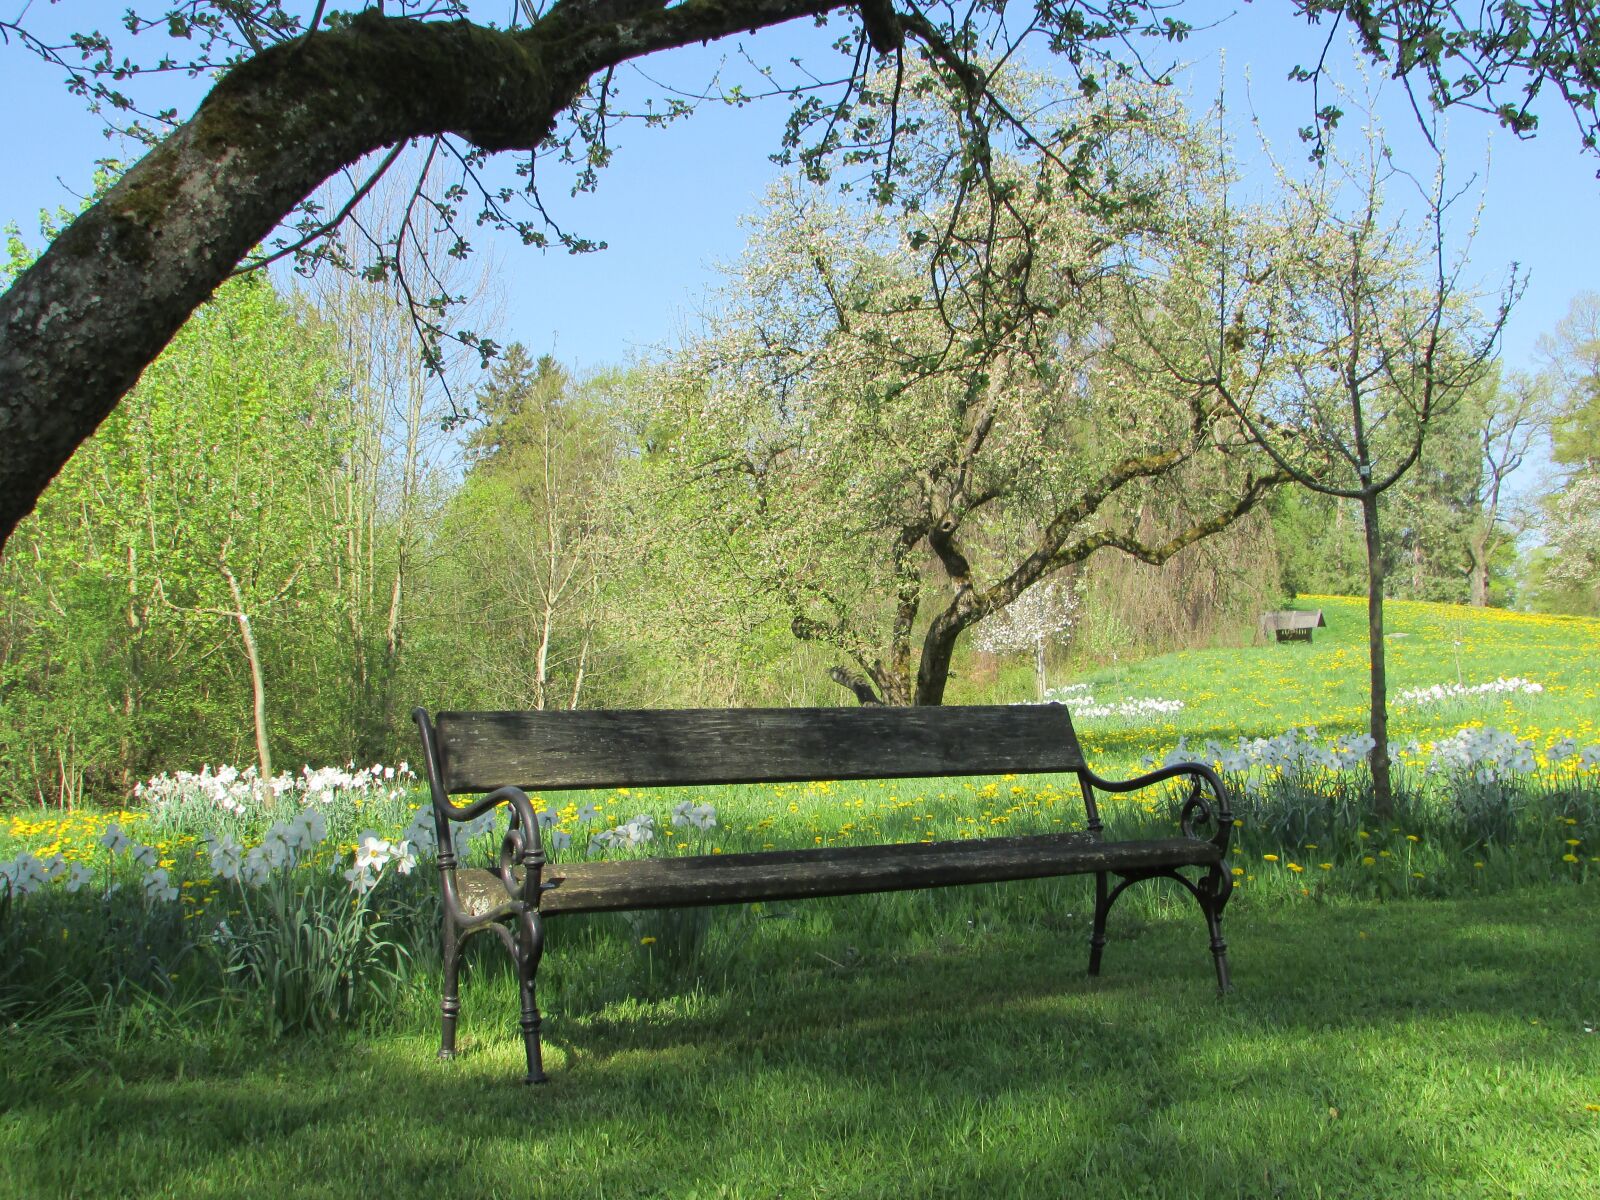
column 522, row 846
column 1206, row 806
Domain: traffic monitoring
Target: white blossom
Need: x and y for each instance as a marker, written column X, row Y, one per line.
column 113, row 839
column 158, row 887
column 78, row 877
column 1440, row 693
column 688, row 813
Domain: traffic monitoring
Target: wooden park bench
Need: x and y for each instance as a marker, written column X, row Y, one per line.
column 502, row 756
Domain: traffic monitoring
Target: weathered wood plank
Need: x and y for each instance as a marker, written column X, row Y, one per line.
column 834, row 871
column 596, row 748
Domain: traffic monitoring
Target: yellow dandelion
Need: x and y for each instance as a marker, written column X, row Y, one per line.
column 647, row 941
column 1569, row 858
column 1295, row 867
column 1270, row 857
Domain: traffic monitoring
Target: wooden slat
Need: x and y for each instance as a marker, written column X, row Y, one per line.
column 835, row 871
column 547, row 751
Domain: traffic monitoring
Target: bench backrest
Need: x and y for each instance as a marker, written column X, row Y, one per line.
column 601, row 748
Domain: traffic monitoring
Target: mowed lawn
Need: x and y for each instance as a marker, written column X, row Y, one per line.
column 1418, row 1048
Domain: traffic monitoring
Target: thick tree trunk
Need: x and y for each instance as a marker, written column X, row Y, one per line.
column 80, row 325
column 938, row 651
column 1382, row 790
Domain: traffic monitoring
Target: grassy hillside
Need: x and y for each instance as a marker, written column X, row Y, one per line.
column 1265, row 689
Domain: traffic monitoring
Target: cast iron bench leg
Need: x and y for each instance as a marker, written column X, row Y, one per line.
column 1214, row 892
column 1097, row 937
column 451, row 1005
column 529, row 951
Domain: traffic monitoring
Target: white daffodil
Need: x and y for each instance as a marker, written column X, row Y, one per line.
column 256, row 869
column 113, row 839
column 22, row 875
column 404, row 858
column 226, row 856
column 372, row 851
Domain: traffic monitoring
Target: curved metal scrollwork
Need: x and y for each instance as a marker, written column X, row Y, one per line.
column 514, row 853
column 1198, row 805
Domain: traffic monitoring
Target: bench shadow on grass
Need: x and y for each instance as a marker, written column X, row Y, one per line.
column 993, row 1070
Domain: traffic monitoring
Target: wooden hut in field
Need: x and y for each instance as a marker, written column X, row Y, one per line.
column 1291, row 625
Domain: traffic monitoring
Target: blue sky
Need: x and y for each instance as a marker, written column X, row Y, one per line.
column 669, row 206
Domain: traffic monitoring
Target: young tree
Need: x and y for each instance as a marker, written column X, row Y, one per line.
column 1341, row 338
column 385, row 499
column 523, row 541
column 1570, row 559
column 176, row 575
column 1041, row 617
column 298, row 98
column 1571, row 355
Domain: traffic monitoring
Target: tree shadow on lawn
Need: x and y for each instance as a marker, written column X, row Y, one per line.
column 1424, row 1046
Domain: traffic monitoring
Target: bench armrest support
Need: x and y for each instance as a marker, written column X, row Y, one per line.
column 522, row 846
column 1205, row 813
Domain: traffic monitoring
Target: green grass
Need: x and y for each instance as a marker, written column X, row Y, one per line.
column 1412, row 1023
column 1265, row 689
column 1417, row 1048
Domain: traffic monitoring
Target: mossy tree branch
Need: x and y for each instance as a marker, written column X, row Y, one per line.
column 80, row 325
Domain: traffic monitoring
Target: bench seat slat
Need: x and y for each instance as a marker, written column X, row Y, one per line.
column 600, row 748
column 834, row 871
